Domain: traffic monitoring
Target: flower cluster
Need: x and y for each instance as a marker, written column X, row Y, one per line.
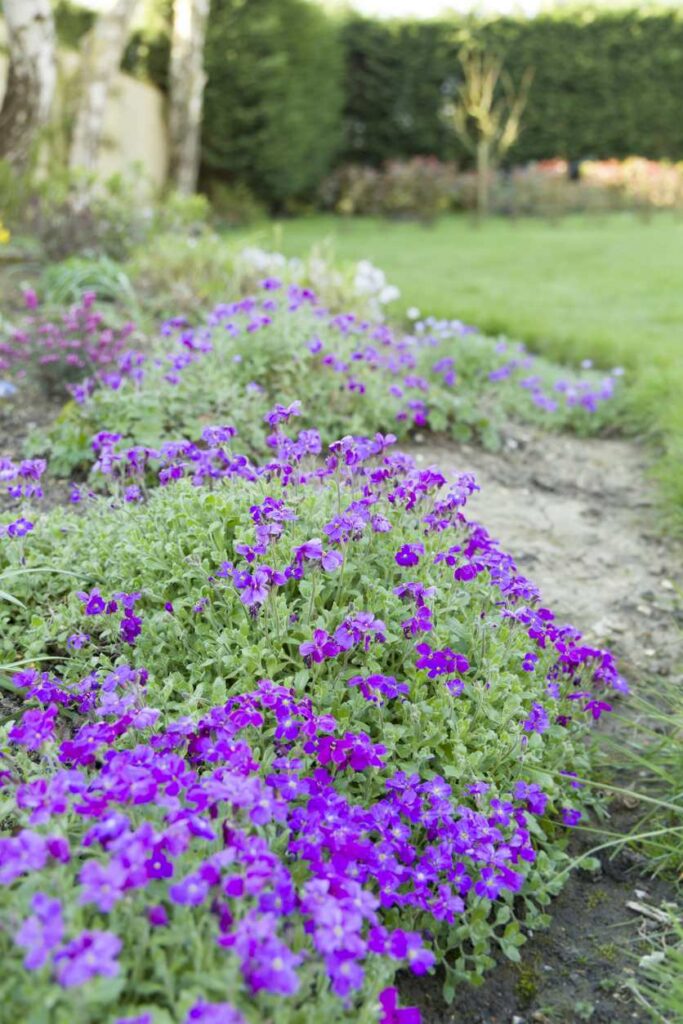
column 264, row 764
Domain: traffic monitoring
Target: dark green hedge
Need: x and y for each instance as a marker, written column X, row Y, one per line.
column 273, row 102
column 606, row 84
column 292, row 91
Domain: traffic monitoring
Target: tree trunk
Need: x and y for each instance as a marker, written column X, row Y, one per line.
column 31, row 79
column 101, row 58
column 187, row 80
column 483, row 175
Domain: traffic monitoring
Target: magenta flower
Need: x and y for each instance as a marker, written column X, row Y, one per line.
column 570, row 816
column 391, row 1014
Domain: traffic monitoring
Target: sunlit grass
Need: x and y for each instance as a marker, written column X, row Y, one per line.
column 607, row 288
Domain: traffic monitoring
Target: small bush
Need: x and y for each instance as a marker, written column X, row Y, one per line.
column 59, row 351
column 419, row 189
column 235, row 205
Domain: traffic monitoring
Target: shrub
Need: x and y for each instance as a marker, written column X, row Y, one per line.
column 71, row 213
column 308, row 725
column 58, row 352
column 420, row 188
column 235, row 205
column 606, row 83
column 64, row 283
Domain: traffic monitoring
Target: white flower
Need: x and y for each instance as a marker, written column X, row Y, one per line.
column 389, row 294
column 413, row 313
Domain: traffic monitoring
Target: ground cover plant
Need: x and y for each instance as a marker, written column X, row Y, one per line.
column 309, row 725
column 349, row 373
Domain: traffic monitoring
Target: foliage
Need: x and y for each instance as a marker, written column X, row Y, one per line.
column 191, row 274
column 235, row 205
column 72, row 22
column 421, row 189
column 63, row 283
column 273, row 96
column 605, row 84
column 235, row 777
column 660, row 985
column 70, row 213
column 350, row 374
column 58, row 352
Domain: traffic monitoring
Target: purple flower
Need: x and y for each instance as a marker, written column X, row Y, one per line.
column 191, row 891
column 538, row 719
column 94, row 602
column 570, row 816
column 41, row 932
column 443, row 662
column 597, row 707
column 409, row 554
column 36, row 727
column 142, row 1018
column 408, row 946
column 91, row 953
column 19, row 528
column 76, row 641
column 531, row 792
column 214, row 1013
column 321, row 647
column 391, row 1014
column 103, row 884
column 157, row 916
column 130, row 628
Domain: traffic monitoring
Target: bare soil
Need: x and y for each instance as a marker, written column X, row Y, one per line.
column 579, row 517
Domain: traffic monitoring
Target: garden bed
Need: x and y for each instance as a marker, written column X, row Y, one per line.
column 296, row 720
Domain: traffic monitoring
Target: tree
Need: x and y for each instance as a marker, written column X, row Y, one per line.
column 103, row 49
column 32, row 77
column 187, row 81
column 487, row 114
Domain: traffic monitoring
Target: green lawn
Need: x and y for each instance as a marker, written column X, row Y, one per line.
column 608, row 288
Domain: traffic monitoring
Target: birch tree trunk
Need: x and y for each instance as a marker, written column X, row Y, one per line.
column 187, row 80
column 102, row 52
column 31, row 79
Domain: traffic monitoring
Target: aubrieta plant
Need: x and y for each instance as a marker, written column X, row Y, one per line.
column 352, row 376
column 60, row 351
column 297, row 725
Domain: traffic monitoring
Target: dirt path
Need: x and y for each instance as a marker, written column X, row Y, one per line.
column 578, row 516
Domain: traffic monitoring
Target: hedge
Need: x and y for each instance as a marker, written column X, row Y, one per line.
column 292, row 90
column 606, row 84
